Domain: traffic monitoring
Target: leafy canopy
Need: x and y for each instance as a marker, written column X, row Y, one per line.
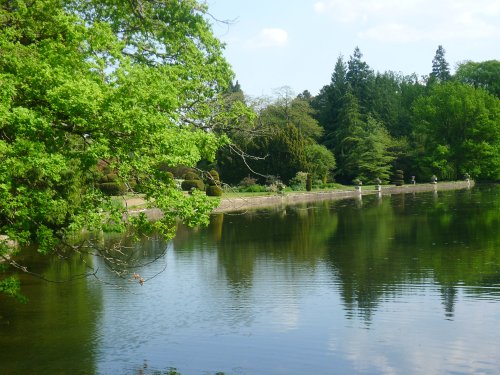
column 128, row 83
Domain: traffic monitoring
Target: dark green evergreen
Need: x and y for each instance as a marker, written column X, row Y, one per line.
column 361, row 79
column 440, row 67
column 398, row 178
column 309, row 182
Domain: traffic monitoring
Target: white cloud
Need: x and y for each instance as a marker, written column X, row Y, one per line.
column 397, row 33
column 416, row 20
column 362, row 10
column 270, row 37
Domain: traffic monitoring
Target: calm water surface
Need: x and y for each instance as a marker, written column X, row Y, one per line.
column 402, row 284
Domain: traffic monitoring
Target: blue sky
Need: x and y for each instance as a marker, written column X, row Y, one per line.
column 275, row 43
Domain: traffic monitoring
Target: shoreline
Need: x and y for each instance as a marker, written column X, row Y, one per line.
column 249, row 203
column 238, row 204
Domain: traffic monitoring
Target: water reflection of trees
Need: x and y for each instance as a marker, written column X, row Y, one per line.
column 293, row 236
column 374, row 247
column 453, row 240
column 55, row 332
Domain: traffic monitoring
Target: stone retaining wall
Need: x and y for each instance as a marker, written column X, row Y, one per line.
column 247, row 203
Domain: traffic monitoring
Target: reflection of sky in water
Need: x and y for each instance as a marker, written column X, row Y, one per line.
column 288, row 322
column 413, row 336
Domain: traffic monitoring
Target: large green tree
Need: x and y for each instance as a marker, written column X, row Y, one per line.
column 375, row 154
column 484, row 74
column 347, row 137
column 320, row 161
column 457, row 131
column 128, row 83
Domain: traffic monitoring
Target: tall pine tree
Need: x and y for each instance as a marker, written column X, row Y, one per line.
column 361, row 79
column 440, row 67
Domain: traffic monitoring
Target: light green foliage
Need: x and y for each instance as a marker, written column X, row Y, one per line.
column 375, row 154
column 10, row 286
column 133, row 83
column 288, row 110
column 457, row 129
column 299, row 181
column 320, row 161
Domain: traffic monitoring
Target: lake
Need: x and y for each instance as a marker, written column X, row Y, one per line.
column 400, row 284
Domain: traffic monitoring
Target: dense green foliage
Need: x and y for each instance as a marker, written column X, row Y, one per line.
column 214, row 185
column 458, row 129
column 189, row 185
column 446, row 125
column 482, row 74
column 398, row 178
column 132, row 84
column 214, row 191
column 366, row 125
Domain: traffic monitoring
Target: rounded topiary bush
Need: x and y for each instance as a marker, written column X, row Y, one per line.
column 213, row 177
column 112, row 188
column 169, row 176
column 398, row 179
column 191, row 176
column 187, row 185
column 214, row 191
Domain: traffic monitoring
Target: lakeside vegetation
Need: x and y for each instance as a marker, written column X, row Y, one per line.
column 98, row 96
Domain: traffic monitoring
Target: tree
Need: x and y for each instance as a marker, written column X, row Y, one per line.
column 130, row 84
column 347, row 137
column 440, row 68
column 375, row 156
column 285, row 153
column 361, row 79
column 320, row 161
column 289, row 110
column 484, row 74
column 329, row 101
column 457, row 131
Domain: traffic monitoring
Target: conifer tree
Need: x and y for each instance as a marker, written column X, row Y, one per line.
column 440, row 68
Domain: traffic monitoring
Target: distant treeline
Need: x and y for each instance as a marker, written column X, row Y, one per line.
column 366, row 125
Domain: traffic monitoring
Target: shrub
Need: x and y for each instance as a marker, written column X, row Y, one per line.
column 309, row 182
column 398, row 178
column 299, row 181
column 247, row 181
column 112, row 188
column 214, row 191
column 276, row 187
column 214, row 175
column 191, row 176
column 133, row 184
column 255, row 188
column 169, row 176
column 213, row 178
column 187, row 185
